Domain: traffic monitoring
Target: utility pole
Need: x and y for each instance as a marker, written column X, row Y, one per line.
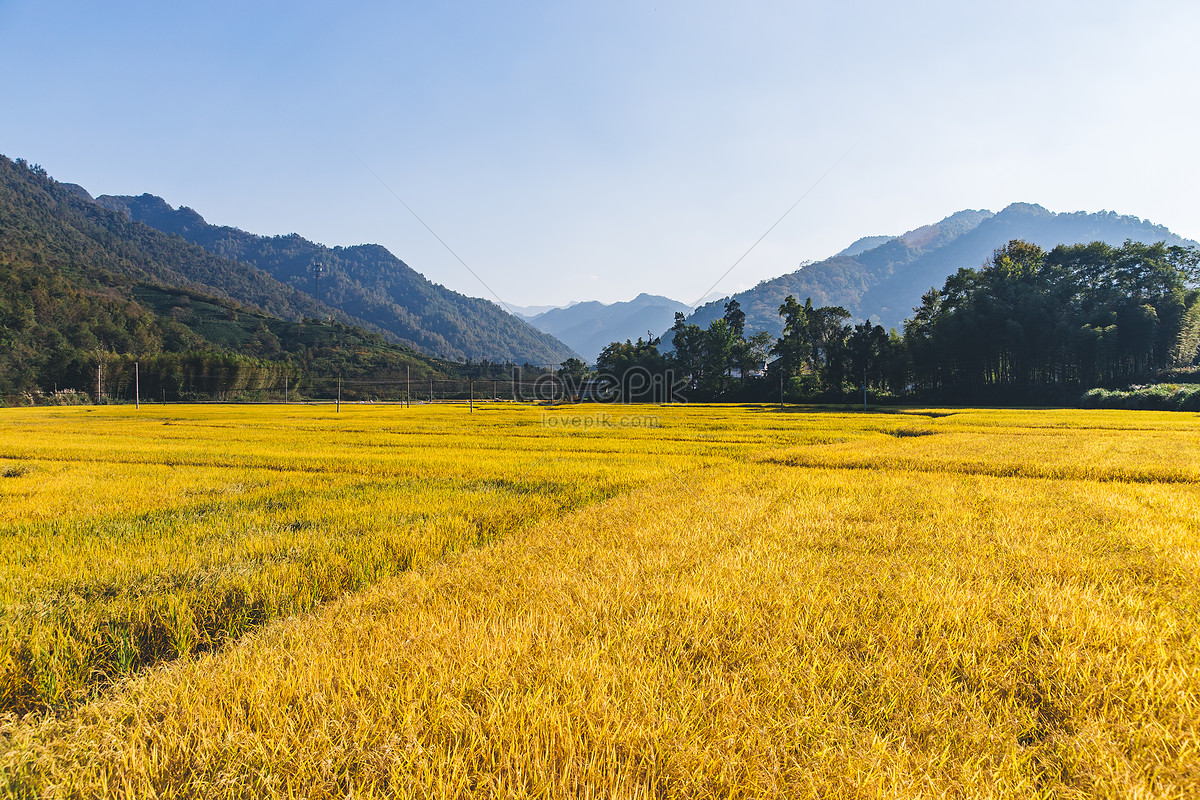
column 471, row 381
column 285, row 388
column 408, row 387
column 339, row 397
column 864, row 386
column 431, row 390
column 98, row 363
column 137, row 387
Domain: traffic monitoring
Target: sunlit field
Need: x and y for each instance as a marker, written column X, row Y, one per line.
column 639, row 601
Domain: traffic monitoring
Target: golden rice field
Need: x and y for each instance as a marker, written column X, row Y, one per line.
column 684, row 601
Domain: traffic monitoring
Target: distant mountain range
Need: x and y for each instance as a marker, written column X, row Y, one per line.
column 367, row 284
column 883, row 277
column 528, row 312
column 589, row 327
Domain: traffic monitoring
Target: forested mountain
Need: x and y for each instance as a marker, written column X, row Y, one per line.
column 366, row 282
column 83, row 287
column 885, row 281
column 588, row 327
column 864, row 244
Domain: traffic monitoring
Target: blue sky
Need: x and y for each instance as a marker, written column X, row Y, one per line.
column 571, row 151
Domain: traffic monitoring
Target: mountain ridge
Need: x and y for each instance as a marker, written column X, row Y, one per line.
column 366, row 282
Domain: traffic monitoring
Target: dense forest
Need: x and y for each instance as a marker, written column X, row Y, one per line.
column 86, row 293
column 1028, row 326
column 366, row 283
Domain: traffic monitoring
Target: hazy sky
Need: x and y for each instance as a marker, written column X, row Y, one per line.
column 577, row 150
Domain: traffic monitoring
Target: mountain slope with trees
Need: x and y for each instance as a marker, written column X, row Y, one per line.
column 365, row 282
column 885, row 282
column 85, row 292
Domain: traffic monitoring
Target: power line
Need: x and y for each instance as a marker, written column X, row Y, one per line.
column 807, row 192
column 449, row 250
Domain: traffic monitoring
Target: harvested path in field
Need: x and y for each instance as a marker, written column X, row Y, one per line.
column 762, row 628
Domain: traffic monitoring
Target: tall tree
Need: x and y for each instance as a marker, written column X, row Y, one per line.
column 813, row 342
column 736, row 319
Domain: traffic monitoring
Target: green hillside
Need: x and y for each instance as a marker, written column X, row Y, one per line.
column 367, row 282
column 85, row 290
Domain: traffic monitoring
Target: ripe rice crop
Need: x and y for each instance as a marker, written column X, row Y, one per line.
column 733, row 602
column 132, row 537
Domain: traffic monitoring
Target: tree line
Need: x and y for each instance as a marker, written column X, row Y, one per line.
column 1027, row 326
